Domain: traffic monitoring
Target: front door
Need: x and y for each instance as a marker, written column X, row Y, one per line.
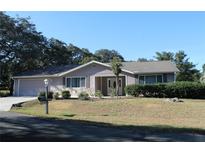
column 111, row 85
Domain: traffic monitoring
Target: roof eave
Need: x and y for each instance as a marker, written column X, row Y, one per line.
column 35, row 76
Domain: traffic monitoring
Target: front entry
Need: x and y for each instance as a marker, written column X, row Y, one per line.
column 111, row 85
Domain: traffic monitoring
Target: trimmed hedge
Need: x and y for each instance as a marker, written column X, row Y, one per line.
column 179, row 89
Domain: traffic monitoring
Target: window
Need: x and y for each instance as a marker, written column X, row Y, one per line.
column 68, row 82
column 159, row 78
column 150, row 79
column 82, row 81
column 141, row 80
column 76, row 82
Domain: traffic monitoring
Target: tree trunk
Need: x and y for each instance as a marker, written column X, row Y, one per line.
column 117, row 86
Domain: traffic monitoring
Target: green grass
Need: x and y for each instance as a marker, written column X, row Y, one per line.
column 189, row 114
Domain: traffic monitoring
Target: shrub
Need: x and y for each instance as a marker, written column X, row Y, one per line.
column 113, row 92
column 98, row 94
column 132, row 90
column 42, row 95
column 56, row 95
column 4, row 88
column 66, row 94
column 178, row 89
column 4, row 93
column 83, row 96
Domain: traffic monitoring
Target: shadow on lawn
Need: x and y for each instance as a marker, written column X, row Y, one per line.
column 27, row 128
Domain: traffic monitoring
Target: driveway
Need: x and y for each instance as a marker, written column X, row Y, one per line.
column 7, row 102
column 19, row 127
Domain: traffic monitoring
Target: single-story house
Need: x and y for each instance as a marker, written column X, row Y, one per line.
column 93, row 76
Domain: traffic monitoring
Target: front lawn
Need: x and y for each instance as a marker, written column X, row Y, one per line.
column 135, row 112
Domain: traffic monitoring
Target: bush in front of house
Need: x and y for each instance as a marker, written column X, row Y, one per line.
column 4, row 93
column 83, row 96
column 133, row 90
column 42, row 95
column 4, row 88
column 56, row 95
column 98, row 94
column 66, row 94
column 179, row 89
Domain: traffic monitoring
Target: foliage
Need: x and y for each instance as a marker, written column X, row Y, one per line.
column 83, row 96
column 164, row 56
column 4, row 93
column 4, row 88
column 56, row 95
column 106, row 56
column 202, row 79
column 113, row 92
column 23, row 48
column 179, row 89
column 98, row 94
column 144, row 60
column 116, row 68
column 133, row 90
column 66, row 94
column 203, row 69
column 42, row 95
column 187, row 69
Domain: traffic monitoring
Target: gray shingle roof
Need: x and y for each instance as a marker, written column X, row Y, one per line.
column 53, row 70
column 150, row 67
column 135, row 67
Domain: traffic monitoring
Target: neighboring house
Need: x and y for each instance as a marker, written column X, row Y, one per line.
column 93, row 76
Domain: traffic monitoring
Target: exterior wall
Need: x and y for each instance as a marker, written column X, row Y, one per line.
column 90, row 73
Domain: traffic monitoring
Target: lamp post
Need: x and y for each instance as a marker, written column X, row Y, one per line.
column 46, row 94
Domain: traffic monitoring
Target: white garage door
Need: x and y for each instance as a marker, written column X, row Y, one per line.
column 29, row 87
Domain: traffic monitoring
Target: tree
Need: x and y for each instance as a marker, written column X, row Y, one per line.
column 57, row 53
column 21, row 47
column 106, row 56
column 87, row 56
column 144, row 60
column 116, row 68
column 203, row 69
column 188, row 72
column 187, row 69
column 164, row 56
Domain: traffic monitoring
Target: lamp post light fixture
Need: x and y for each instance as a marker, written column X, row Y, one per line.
column 46, row 94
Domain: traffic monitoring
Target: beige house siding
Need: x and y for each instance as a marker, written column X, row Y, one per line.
column 91, row 72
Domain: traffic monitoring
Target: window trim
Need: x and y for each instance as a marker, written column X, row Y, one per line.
column 71, row 81
column 144, row 76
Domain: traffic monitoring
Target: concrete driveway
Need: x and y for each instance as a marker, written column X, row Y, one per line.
column 19, row 127
column 7, row 102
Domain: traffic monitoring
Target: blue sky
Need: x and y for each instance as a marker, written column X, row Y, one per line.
column 132, row 34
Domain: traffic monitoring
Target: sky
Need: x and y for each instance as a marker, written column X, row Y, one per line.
column 133, row 34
